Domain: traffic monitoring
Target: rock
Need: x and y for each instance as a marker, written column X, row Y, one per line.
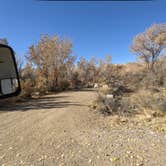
column 105, row 86
column 62, row 155
column 98, row 157
column 79, row 151
column 42, row 158
column 139, row 164
column 114, row 159
column 128, row 152
column 131, row 157
column 88, row 144
column 21, row 162
column 18, row 154
column 96, row 85
column 89, row 161
column 1, row 157
column 109, row 96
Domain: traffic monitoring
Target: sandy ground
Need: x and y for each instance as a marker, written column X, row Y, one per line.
column 60, row 130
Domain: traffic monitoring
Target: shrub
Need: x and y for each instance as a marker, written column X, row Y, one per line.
column 111, row 106
column 104, row 89
column 64, row 85
column 27, row 88
column 152, row 103
column 144, row 101
column 41, row 85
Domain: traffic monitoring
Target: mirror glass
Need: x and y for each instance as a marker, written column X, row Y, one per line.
column 9, row 82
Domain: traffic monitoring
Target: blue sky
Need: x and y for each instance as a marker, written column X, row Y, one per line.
column 95, row 28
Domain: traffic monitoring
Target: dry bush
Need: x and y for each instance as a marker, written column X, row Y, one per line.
column 41, row 85
column 144, row 102
column 132, row 80
column 127, row 100
column 150, row 103
column 105, row 89
column 151, row 80
column 111, row 102
column 64, row 85
column 113, row 106
column 27, row 89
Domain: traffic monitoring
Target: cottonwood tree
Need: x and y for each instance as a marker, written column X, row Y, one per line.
column 105, row 69
column 92, row 70
column 150, row 44
column 87, row 70
column 28, row 81
column 52, row 60
column 4, row 41
column 82, row 68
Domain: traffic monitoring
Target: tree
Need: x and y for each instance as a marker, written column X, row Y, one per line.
column 4, row 41
column 82, row 68
column 149, row 45
column 87, row 70
column 52, row 60
column 105, row 69
column 27, row 78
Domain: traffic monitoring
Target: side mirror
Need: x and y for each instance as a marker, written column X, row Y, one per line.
column 9, row 79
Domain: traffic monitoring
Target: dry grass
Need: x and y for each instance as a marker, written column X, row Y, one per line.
column 149, row 103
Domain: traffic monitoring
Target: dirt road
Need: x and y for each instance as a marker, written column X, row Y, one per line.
column 60, row 130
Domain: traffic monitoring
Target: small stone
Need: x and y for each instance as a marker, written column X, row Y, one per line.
column 72, row 154
column 60, row 164
column 1, row 157
column 10, row 148
column 98, row 157
column 131, row 157
column 114, row 159
column 128, row 152
column 139, row 157
column 139, row 164
column 18, row 154
column 153, row 144
column 62, row 155
column 21, row 162
column 98, row 136
column 90, row 161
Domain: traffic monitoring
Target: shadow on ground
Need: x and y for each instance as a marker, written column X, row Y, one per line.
column 45, row 102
